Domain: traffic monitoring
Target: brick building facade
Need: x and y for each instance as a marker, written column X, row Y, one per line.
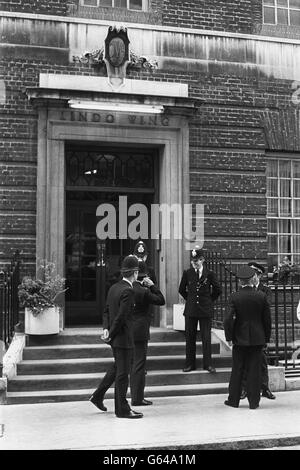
column 239, row 131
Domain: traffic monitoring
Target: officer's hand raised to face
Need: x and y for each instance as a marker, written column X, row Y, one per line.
column 147, row 282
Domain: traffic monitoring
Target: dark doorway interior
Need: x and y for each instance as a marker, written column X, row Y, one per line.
column 100, row 176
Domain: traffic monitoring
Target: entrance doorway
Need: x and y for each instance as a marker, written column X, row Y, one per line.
column 97, row 176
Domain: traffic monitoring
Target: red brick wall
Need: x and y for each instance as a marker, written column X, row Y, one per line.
column 49, row 7
column 222, row 15
column 227, row 162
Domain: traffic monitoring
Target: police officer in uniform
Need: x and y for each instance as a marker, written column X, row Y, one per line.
column 247, row 325
column 199, row 288
column 141, row 252
column 146, row 293
column 118, row 332
column 260, row 286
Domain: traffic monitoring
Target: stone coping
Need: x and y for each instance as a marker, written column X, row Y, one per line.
column 202, row 32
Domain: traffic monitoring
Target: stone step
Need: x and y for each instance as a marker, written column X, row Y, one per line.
column 72, row 351
column 26, row 383
column 55, row 396
column 93, row 365
column 92, row 336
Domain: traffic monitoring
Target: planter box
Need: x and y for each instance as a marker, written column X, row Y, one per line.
column 46, row 323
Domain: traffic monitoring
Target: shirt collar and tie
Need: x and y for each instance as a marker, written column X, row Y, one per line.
column 199, row 272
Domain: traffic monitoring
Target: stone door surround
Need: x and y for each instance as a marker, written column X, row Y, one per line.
column 168, row 132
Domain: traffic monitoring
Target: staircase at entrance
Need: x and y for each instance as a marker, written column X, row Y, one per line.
column 69, row 366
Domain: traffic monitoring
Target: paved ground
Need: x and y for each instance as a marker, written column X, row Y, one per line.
column 197, row 422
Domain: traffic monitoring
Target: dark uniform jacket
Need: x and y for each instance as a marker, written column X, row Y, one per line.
column 118, row 315
column 252, row 323
column 199, row 293
column 266, row 290
column 144, row 297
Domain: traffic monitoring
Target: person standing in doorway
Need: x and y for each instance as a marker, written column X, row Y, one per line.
column 199, row 288
column 247, row 325
column 141, row 252
column 118, row 332
column 146, row 293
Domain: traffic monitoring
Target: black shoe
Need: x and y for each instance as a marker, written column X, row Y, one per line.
column 142, row 403
column 131, row 415
column 227, row 402
column 253, row 407
column 210, row 369
column 98, row 403
column 243, row 394
column 268, row 394
column 188, row 369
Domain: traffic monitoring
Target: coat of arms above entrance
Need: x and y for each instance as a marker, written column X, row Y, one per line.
column 116, row 57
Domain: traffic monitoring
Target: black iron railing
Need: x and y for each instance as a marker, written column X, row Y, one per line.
column 9, row 301
column 226, row 276
column 286, row 326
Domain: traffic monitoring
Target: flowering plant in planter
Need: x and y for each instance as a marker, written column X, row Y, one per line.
column 42, row 292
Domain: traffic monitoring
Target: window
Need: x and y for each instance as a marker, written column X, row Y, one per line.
column 283, row 199
column 281, row 12
column 139, row 5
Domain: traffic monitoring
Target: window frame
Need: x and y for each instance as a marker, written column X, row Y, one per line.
column 145, row 5
column 292, row 217
column 276, row 7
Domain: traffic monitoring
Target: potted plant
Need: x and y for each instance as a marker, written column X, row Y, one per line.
column 40, row 298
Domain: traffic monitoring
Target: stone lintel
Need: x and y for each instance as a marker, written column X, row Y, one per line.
column 42, row 97
column 101, row 84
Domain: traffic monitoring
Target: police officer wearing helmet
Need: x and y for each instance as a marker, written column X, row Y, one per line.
column 141, row 252
column 260, row 286
column 118, row 332
column 199, row 288
column 247, row 325
column 146, row 293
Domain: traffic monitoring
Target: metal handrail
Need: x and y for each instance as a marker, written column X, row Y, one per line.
column 9, row 300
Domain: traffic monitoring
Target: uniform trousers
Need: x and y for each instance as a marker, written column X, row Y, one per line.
column 137, row 376
column 245, row 357
column 264, row 373
column 191, row 324
column 118, row 373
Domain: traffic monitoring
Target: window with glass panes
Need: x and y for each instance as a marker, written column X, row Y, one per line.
column 140, row 5
column 281, row 12
column 283, row 196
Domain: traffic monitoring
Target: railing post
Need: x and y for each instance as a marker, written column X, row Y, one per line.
column 276, row 326
column 17, row 282
column 9, row 301
column 222, row 309
column 285, row 327
column 292, row 314
column 5, row 310
column 1, row 320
